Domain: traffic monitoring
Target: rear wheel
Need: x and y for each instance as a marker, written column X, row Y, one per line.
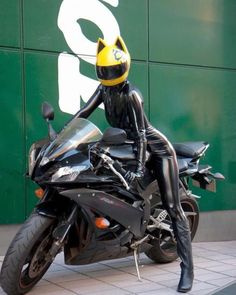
column 191, row 209
column 164, row 248
column 27, row 258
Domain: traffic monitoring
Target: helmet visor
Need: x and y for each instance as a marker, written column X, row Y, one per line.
column 111, row 72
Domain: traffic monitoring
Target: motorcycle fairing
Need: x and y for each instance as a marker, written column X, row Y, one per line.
column 87, row 244
column 125, row 214
column 94, row 252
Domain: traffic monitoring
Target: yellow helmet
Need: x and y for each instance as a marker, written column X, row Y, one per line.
column 113, row 62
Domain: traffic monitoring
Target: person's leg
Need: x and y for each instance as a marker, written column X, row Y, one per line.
column 166, row 168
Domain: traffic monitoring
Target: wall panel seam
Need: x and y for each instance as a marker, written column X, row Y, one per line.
column 7, row 48
column 192, row 65
column 23, row 97
column 148, row 48
column 39, row 51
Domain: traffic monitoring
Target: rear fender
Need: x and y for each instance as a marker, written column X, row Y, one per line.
column 206, row 179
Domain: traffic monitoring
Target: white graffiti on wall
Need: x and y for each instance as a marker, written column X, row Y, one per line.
column 73, row 85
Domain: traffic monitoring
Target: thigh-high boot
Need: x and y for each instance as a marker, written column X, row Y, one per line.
column 167, row 176
column 184, row 250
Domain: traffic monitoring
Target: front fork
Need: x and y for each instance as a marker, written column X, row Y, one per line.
column 61, row 231
column 48, row 206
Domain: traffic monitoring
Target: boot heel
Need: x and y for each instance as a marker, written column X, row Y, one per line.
column 186, row 281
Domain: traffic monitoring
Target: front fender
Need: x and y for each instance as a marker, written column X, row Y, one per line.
column 48, row 209
column 53, row 205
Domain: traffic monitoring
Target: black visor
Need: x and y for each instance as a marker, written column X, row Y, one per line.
column 111, row 72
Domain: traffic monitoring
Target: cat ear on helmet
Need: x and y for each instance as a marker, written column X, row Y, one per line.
column 101, row 45
column 121, row 44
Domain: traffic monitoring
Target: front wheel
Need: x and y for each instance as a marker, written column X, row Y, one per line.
column 27, row 258
column 164, row 248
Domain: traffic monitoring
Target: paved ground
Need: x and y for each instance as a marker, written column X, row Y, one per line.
column 215, row 267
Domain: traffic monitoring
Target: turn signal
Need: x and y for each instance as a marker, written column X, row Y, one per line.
column 39, row 193
column 102, row 223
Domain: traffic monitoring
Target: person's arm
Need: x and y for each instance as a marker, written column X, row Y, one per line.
column 136, row 113
column 94, row 101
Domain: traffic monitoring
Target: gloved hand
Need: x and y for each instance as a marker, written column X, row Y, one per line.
column 131, row 176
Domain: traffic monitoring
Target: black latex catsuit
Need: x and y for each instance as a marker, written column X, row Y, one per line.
column 124, row 109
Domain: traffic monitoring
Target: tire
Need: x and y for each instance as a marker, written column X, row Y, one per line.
column 164, row 248
column 26, row 260
column 190, row 205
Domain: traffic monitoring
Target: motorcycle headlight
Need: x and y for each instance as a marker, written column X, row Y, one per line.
column 32, row 158
column 44, row 161
column 67, row 173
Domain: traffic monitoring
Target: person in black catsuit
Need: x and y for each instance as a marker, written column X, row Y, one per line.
column 124, row 109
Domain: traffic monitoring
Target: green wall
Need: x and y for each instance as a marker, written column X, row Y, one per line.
column 184, row 62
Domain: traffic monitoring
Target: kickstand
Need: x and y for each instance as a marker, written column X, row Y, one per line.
column 136, row 263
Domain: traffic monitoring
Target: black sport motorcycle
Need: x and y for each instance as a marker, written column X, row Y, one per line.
column 88, row 210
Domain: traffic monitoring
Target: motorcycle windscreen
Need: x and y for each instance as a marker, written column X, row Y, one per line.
column 78, row 132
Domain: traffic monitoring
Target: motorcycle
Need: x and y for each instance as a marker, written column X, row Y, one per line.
column 88, row 210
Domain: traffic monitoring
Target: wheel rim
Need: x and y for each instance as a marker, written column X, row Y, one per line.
column 167, row 244
column 37, row 262
column 189, row 210
column 166, row 241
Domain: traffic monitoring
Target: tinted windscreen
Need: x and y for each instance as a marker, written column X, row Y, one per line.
column 77, row 132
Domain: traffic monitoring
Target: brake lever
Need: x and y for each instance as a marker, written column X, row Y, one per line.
column 111, row 163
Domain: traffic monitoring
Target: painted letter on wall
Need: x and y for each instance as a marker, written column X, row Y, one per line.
column 73, row 85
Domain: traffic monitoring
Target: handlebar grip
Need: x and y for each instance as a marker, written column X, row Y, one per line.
column 119, row 168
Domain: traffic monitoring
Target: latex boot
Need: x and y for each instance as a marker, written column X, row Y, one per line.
column 184, row 250
column 166, row 169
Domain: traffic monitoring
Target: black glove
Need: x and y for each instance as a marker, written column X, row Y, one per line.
column 131, row 176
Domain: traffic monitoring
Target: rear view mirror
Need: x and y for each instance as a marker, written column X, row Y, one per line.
column 47, row 111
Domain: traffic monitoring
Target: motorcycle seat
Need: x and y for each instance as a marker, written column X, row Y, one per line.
column 122, row 152
column 183, row 149
column 190, row 149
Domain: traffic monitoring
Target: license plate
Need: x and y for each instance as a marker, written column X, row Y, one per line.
column 207, row 186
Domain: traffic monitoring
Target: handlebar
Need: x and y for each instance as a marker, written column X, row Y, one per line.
column 119, row 168
column 116, row 168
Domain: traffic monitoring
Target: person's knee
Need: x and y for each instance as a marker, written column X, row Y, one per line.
column 171, row 151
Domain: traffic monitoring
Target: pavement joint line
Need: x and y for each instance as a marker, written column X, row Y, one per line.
column 125, row 272
column 129, row 269
column 197, row 281
column 134, row 275
column 216, row 272
column 110, row 284
column 159, row 283
column 150, row 281
column 55, row 284
column 225, row 286
column 113, row 285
